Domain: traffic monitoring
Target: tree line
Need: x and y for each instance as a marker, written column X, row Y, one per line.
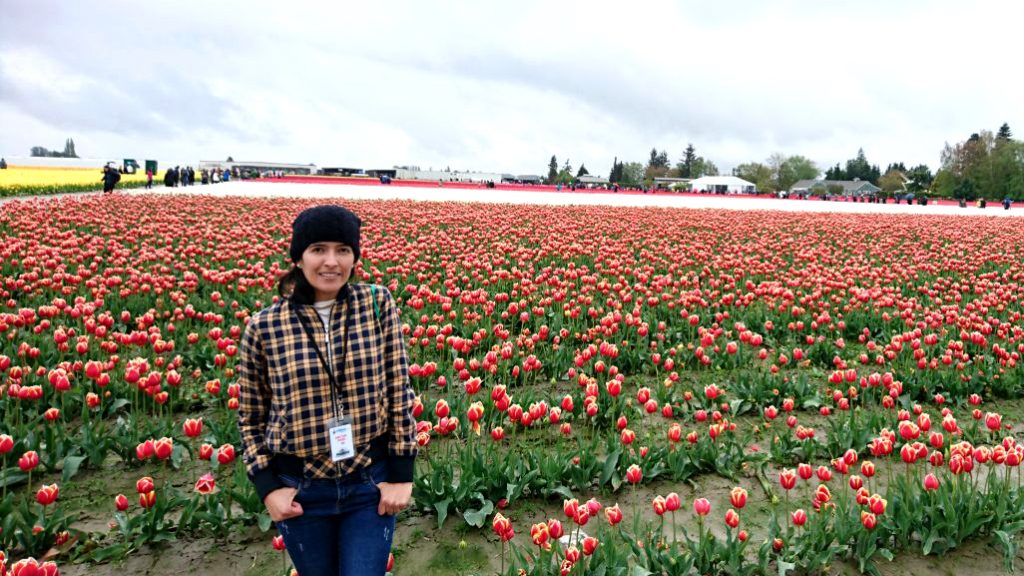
column 69, row 151
column 986, row 164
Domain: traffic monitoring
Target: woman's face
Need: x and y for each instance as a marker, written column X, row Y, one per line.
column 327, row 266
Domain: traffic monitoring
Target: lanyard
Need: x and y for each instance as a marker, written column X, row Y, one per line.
column 335, row 387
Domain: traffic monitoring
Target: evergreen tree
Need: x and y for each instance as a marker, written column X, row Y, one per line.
column 835, row 173
column 582, row 171
column 1004, row 133
column 689, row 156
column 552, row 170
column 616, row 174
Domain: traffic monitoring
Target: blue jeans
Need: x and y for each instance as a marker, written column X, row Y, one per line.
column 339, row 532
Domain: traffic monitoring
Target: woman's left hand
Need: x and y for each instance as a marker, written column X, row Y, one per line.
column 393, row 497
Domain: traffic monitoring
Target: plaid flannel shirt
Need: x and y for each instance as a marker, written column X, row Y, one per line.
column 285, row 404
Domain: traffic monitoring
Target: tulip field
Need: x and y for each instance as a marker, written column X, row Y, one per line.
column 33, row 180
column 600, row 390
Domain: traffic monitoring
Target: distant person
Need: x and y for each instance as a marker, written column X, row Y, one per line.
column 3, row 164
column 110, row 179
column 149, row 179
column 1006, row 203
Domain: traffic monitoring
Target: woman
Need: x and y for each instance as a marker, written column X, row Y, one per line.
column 325, row 407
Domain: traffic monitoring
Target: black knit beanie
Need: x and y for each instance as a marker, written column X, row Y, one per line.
column 327, row 223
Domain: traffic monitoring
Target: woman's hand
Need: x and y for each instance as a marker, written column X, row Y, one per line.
column 282, row 505
column 393, row 497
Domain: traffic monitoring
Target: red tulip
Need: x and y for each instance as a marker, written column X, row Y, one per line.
column 144, row 484
column 589, row 545
column 634, row 474
column 659, row 505
column 613, row 514
column 226, row 454
column 555, row 529
column 877, row 504
column 192, row 427
column 701, row 506
column 502, row 527
column 47, row 494
column 148, row 499
column 145, row 450
column 672, row 502
column 787, row 479
column 6, row 443
column 205, row 451
column 732, row 519
column 799, row 517
column 121, row 502
column 391, row 564
column 28, row 461
column 993, row 421
column 539, row 534
column 163, row 448
column 206, row 484
column 738, row 497
column 868, row 519
column 931, row 482
column 278, row 543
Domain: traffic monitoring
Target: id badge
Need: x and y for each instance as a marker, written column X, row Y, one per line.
column 342, row 446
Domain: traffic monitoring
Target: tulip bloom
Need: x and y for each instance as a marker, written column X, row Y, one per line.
column 589, row 545
column 121, row 502
column 613, row 514
column 226, row 454
column 502, row 527
column 732, row 519
column 206, row 484
column 931, row 483
column 539, row 534
column 799, row 517
column 634, row 474
column 787, row 479
column 672, row 502
column 555, row 529
column 659, row 505
column 144, row 484
column 192, row 427
column 148, row 499
column 6, row 443
column 868, row 519
column 163, row 448
column 205, row 451
column 993, row 421
column 145, row 450
column 47, row 494
column 738, row 498
column 28, row 461
column 701, row 506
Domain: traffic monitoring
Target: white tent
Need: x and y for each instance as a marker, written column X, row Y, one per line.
column 723, row 185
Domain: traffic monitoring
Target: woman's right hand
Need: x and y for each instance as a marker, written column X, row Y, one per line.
column 281, row 504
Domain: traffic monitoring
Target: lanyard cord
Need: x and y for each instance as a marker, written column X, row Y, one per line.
column 335, row 387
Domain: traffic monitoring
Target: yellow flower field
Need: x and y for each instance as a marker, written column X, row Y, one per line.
column 31, row 180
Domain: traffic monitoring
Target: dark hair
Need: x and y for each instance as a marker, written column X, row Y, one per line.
column 294, row 283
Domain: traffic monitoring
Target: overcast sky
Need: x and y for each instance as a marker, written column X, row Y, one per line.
column 492, row 86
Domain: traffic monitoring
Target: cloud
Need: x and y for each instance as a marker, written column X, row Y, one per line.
column 502, row 87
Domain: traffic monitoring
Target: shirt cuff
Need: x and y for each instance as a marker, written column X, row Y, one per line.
column 400, row 468
column 266, row 482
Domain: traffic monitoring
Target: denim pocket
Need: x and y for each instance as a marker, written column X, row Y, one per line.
column 376, row 473
column 291, row 482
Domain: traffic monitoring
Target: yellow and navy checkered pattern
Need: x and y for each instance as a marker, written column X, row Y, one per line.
column 285, row 403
